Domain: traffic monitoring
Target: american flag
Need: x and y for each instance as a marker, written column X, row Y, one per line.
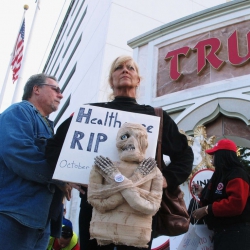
column 18, row 53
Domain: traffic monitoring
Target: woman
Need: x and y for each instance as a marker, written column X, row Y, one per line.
column 124, row 80
column 226, row 203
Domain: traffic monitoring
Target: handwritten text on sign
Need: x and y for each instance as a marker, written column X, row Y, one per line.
column 92, row 132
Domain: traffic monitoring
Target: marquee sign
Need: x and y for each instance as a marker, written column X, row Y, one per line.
column 208, row 52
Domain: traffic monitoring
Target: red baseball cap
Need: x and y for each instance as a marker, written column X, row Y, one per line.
column 222, row 144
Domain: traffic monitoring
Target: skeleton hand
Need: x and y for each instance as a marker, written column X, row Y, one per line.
column 146, row 166
column 105, row 165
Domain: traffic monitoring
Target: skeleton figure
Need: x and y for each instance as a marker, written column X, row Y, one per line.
column 125, row 194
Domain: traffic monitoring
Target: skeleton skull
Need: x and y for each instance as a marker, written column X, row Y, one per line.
column 131, row 142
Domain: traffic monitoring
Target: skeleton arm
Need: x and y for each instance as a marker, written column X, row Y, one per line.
column 109, row 171
column 144, row 168
column 146, row 202
column 106, row 196
column 139, row 199
column 101, row 204
column 107, row 168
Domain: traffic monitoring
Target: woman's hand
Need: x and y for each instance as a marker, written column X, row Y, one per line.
column 196, row 188
column 78, row 187
column 199, row 213
column 66, row 189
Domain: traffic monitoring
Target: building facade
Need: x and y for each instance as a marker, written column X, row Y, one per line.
column 197, row 69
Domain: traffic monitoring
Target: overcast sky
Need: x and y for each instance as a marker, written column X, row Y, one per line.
column 48, row 22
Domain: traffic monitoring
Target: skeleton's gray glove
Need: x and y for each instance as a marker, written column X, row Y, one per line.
column 105, row 165
column 108, row 170
column 147, row 166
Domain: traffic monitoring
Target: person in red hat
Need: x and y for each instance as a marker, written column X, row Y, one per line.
column 226, row 202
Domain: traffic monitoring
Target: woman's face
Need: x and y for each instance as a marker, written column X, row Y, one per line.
column 212, row 160
column 125, row 77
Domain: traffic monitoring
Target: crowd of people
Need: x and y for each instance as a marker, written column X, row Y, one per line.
column 31, row 208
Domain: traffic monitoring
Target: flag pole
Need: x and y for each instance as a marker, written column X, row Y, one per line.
column 19, row 85
column 25, row 7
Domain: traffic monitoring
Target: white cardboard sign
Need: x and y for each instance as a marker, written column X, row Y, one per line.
column 92, row 132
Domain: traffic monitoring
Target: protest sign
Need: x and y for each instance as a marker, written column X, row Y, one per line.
column 190, row 240
column 198, row 237
column 206, row 237
column 92, row 132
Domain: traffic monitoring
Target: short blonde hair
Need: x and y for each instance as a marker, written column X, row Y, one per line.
column 118, row 61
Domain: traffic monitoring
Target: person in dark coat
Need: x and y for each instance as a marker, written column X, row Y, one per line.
column 124, row 80
column 226, row 202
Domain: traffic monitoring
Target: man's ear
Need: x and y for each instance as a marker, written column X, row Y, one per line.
column 36, row 90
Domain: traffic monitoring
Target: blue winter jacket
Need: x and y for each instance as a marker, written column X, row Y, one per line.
column 25, row 177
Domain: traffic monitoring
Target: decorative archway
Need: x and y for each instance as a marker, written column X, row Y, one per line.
column 223, row 117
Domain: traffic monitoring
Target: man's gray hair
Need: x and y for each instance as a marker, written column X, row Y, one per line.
column 35, row 80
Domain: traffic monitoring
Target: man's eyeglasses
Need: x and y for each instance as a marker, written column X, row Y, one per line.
column 57, row 89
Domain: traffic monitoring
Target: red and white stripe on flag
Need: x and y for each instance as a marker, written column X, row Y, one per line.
column 18, row 53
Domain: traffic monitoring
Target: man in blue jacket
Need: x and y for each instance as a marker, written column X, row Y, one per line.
column 26, row 188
